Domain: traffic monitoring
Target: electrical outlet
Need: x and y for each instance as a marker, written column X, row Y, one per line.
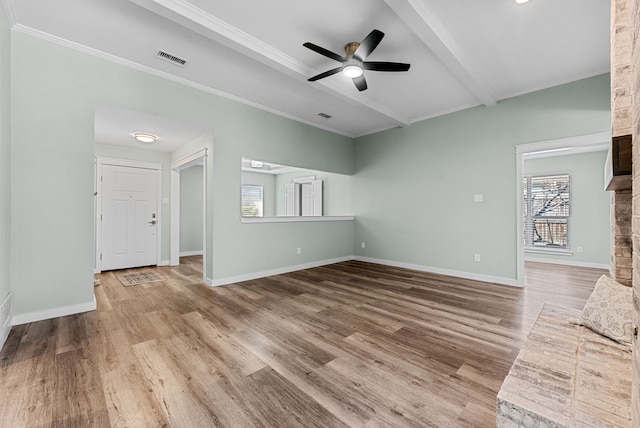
column 476, row 257
column 299, row 250
column 478, row 198
column 362, row 245
column 580, row 250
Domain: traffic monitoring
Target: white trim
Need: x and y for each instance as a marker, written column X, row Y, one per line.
column 199, row 157
column 428, row 27
column 191, row 253
column 571, row 142
column 568, row 263
column 61, row 311
column 249, row 220
column 554, row 83
column 549, row 251
column 149, row 70
column 174, row 233
column 164, row 263
column 100, row 161
column 272, row 272
column 307, row 179
column 5, row 321
column 11, row 15
column 186, row 161
column 448, row 272
column 520, row 151
column 214, row 28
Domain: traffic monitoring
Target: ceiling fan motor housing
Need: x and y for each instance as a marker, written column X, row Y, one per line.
column 350, row 48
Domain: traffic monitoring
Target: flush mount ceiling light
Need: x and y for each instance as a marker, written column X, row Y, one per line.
column 521, row 1
column 145, row 138
column 352, row 71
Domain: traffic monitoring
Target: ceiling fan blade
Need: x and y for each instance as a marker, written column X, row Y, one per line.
column 368, row 44
column 360, row 83
column 385, row 66
column 325, row 52
column 325, row 74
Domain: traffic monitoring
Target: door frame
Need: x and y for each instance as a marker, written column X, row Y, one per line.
column 578, row 144
column 197, row 158
column 100, row 161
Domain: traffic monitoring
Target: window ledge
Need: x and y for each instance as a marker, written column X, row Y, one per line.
column 554, row 251
column 249, row 220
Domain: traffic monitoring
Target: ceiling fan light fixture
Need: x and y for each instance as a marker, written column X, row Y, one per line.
column 352, row 71
column 145, row 138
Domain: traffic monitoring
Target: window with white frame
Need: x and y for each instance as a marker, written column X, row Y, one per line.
column 547, row 199
column 252, row 201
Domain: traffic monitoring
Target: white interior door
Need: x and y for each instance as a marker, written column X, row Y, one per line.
column 129, row 217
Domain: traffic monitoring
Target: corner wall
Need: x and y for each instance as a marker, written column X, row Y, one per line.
column 5, row 175
column 414, row 187
column 56, row 90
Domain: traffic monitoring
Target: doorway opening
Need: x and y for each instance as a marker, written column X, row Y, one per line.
column 189, row 211
column 564, row 146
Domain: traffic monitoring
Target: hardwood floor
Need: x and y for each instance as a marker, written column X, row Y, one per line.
column 351, row 344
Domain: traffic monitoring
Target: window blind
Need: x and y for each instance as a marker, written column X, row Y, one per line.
column 546, row 211
column 252, row 201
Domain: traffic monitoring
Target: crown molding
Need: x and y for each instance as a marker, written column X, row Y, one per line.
column 195, row 19
column 11, row 15
column 149, row 70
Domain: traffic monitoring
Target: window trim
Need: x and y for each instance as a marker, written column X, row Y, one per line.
column 563, row 250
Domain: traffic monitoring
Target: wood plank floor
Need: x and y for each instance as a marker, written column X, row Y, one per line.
column 351, row 344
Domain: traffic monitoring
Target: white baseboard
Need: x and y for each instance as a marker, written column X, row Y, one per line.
column 191, row 253
column 5, row 319
column 430, row 269
column 271, row 272
column 164, row 263
column 568, row 263
column 55, row 312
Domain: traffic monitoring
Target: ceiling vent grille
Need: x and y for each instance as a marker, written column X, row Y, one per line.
column 171, row 58
column 325, row 115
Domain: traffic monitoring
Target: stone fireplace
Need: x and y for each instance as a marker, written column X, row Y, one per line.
column 625, row 99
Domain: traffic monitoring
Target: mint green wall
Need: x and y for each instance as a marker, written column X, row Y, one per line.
column 131, row 153
column 268, row 183
column 336, row 192
column 191, row 217
column 5, row 155
column 414, row 187
column 590, row 205
column 55, row 91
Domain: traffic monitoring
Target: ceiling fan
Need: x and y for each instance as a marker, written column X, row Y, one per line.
column 353, row 64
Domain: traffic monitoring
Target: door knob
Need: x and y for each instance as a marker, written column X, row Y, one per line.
column 152, row 222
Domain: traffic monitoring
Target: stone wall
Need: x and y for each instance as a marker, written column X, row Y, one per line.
column 635, row 114
column 621, row 243
column 621, row 125
column 621, row 75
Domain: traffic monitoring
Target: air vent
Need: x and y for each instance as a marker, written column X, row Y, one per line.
column 171, row 58
column 325, row 115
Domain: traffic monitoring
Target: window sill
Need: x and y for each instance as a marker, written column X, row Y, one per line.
column 249, row 220
column 550, row 251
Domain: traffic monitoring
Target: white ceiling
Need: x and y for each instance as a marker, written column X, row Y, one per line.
column 462, row 53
